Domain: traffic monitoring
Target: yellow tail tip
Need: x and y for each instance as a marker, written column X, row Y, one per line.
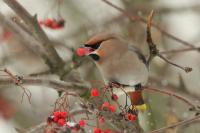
column 142, row 107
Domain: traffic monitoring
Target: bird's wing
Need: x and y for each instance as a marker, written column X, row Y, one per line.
column 139, row 53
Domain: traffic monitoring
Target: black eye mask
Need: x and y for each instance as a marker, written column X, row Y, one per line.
column 95, row 46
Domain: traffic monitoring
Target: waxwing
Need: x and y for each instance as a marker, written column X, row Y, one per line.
column 118, row 63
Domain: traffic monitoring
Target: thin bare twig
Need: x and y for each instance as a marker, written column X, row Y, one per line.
column 152, row 47
column 186, row 69
column 36, row 128
column 180, row 50
column 17, row 81
column 143, row 20
column 171, row 94
column 154, row 51
column 171, row 87
column 181, row 123
column 58, row 85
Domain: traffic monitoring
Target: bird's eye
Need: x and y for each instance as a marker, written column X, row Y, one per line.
column 94, row 46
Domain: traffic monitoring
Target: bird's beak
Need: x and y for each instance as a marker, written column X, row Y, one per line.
column 82, row 51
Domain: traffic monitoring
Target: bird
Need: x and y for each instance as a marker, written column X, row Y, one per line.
column 119, row 63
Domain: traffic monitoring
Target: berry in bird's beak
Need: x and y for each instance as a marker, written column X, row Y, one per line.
column 82, row 51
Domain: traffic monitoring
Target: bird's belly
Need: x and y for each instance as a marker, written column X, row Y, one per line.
column 125, row 73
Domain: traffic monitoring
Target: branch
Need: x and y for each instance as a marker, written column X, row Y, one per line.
column 58, row 85
column 33, row 44
column 152, row 47
column 180, row 50
column 154, row 51
column 36, row 128
column 143, row 20
column 181, row 123
column 54, row 61
column 172, row 94
column 171, row 87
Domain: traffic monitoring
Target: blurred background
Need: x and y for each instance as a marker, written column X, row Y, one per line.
column 85, row 18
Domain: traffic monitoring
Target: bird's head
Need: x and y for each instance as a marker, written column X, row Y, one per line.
column 100, row 46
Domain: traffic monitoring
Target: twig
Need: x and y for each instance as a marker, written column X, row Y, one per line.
column 171, row 87
column 154, row 51
column 180, row 50
column 46, row 72
column 36, row 128
column 33, row 44
column 58, row 85
column 17, row 81
column 71, row 65
column 186, row 69
column 171, row 94
column 164, row 9
column 181, row 123
column 54, row 61
column 152, row 47
column 135, row 17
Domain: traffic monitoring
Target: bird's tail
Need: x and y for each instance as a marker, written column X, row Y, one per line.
column 137, row 101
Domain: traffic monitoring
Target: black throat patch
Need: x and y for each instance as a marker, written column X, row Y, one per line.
column 94, row 57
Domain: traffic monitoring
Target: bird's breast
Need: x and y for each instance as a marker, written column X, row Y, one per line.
column 127, row 70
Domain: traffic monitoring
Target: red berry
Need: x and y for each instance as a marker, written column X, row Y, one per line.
column 112, row 108
column 131, row 117
column 94, row 92
column 61, row 22
column 63, row 114
column 55, row 118
column 56, row 114
column 105, row 105
column 80, row 51
column 48, row 22
column 96, row 130
column 82, row 123
column 61, row 122
column 101, row 120
column 114, row 97
column 55, row 26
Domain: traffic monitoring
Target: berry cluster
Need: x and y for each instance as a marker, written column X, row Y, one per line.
column 94, row 93
column 58, row 117
column 107, row 105
column 53, row 23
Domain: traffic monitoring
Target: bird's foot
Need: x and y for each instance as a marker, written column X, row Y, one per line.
column 138, row 87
